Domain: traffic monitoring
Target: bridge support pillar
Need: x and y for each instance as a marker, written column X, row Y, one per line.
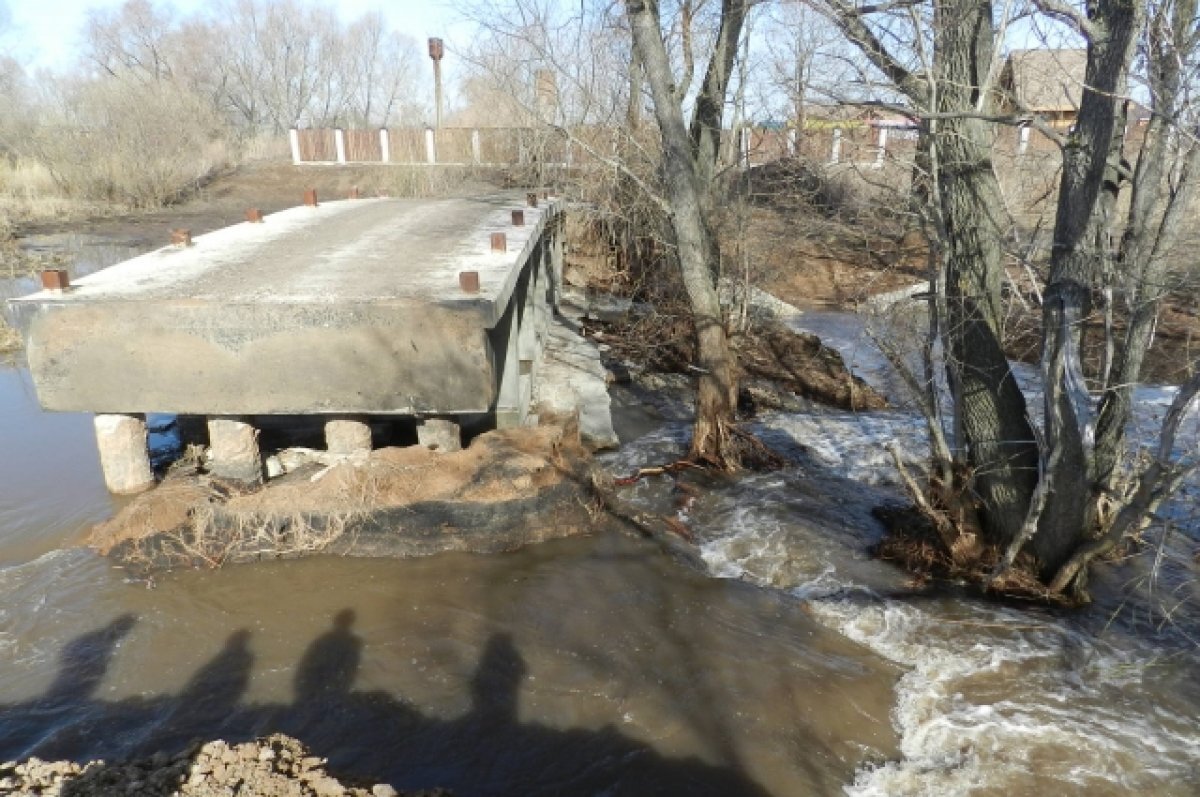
column 124, row 456
column 346, row 435
column 233, row 446
column 440, row 435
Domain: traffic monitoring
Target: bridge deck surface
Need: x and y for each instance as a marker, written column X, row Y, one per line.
column 365, row 250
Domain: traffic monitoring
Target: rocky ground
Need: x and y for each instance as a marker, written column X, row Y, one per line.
column 276, row 766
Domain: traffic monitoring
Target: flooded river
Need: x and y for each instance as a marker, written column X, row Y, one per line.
column 797, row 665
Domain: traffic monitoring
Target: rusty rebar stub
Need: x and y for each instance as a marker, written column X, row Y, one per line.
column 499, row 242
column 531, row 199
column 518, row 218
column 468, row 281
column 55, row 279
column 254, row 215
column 354, row 194
column 181, row 237
column 310, row 197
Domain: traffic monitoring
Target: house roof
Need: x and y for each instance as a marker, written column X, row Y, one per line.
column 1046, row 80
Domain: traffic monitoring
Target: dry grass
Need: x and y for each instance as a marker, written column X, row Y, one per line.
column 10, row 339
column 28, row 194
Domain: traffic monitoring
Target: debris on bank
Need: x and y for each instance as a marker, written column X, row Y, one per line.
column 277, row 766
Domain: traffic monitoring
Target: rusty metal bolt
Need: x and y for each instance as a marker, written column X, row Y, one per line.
column 531, row 199
column 518, row 218
column 468, row 281
column 310, row 197
column 181, row 237
column 55, row 279
column 254, row 215
column 499, row 242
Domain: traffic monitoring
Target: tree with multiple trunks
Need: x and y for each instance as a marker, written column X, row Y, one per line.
column 690, row 153
column 1059, row 493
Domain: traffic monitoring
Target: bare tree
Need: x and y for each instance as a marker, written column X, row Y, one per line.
column 1050, row 491
column 690, row 158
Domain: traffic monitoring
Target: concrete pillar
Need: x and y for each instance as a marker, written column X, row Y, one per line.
column 385, row 145
column 835, row 156
column 476, row 148
column 233, row 448
column 439, row 435
column 881, row 153
column 294, row 140
column 339, row 144
column 347, row 435
column 124, row 457
column 430, row 146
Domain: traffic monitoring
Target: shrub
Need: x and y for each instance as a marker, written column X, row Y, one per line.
column 139, row 144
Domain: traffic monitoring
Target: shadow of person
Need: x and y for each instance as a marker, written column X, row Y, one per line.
column 84, row 661
column 495, row 686
column 62, row 721
column 208, row 703
column 327, row 670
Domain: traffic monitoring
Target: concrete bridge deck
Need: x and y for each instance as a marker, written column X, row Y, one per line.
column 347, row 309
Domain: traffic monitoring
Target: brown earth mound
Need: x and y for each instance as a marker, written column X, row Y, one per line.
column 508, row 489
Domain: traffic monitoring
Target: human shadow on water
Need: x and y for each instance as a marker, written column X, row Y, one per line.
column 372, row 735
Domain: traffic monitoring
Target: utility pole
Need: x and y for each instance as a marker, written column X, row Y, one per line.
column 435, row 52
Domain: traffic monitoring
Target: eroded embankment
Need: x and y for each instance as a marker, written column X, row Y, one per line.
column 509, row 488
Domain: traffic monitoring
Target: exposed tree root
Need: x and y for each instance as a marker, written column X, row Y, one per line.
column 913, row 542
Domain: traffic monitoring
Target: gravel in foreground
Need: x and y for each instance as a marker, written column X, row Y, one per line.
column 276, row 766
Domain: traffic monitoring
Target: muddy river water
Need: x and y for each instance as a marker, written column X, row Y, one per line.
column 795, row 665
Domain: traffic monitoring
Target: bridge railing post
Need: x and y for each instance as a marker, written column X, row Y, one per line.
column 430, row 146
column 339, row 144
column 476, row 148
column 294, row 141
column 385, row 145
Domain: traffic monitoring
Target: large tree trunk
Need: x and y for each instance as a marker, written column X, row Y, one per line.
column 990, row 409
column 1080, row 236
column 717, row 394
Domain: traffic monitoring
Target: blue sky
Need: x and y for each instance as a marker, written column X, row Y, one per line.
column 46, row 33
